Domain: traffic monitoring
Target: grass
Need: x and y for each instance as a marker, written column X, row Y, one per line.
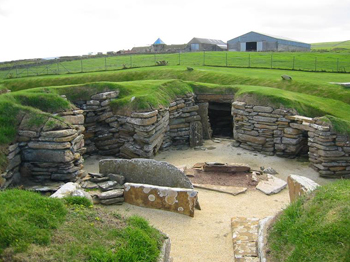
column 305, row 61
column 314, row 228
column 332, row 46
column 45, row 229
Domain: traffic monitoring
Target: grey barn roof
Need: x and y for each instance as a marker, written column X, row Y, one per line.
column 249, row 37
column 208, row 41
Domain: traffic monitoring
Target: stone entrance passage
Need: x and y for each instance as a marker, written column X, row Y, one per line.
column 221, row 119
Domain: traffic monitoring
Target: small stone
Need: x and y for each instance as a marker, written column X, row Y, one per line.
column 272, row 185
column 111, row 201
column 118, row 178
column 216, row 141
column 270, row 171
column 99, row 179
column 108, row 185
column 286, row 77
column 111, row 194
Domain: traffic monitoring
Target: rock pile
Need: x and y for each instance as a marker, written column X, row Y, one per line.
column 106, row 189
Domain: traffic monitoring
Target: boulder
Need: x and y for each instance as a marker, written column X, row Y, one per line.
column 177, row 200
column 146, row 171
column 111, row 194
column 300, row 185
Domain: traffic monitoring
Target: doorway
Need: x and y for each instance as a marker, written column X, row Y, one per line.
column 221, row 120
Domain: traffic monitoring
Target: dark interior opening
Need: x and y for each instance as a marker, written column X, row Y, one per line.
column 251, row 46
column 221, row 120
column 303, row 153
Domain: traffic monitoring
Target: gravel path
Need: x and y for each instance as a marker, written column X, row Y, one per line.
column 207, row 236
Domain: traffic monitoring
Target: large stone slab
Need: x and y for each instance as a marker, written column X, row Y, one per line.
column 231, row 190
column 300, row 185
column 179, row 200
column 146, row 171
column 196, row 134
column 272, row 185
column 43, row 155
column 244, row 238
column 225, row 168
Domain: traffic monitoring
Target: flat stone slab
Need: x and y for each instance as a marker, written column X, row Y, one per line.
column 225, row 168
column 222, row 189
column 244, row 238
column 179, row 200
column 146, row 171
column 300, row 185
column 111, row 194
column 272, row 185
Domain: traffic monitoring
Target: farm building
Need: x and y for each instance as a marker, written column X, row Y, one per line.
column 204, row 44
column 158, row 45
column 254, row 41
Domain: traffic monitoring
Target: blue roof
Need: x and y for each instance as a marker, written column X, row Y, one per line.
column 159, row 42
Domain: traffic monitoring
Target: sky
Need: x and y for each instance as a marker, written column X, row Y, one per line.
column 52, row 28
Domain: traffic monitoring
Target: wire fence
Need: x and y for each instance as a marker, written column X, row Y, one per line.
column 316, row 62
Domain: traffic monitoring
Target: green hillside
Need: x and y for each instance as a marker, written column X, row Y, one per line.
column 332, row 46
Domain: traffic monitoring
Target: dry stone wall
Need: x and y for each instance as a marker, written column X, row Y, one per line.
column 11, row 174
column 280, row 131
column 52, row 151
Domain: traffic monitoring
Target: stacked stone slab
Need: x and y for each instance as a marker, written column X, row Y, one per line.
column 52, row 151
column 137, row 134
column 11, row 174
column 258, row 128
column 101, row 134
column 107, row 189
column 147, row 136
column 183, row 114
column 279, row 131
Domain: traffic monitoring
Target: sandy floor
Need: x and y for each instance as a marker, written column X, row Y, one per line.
column 207, row 236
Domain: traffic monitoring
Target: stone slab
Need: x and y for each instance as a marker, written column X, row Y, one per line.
column 300, row 185
column 225, row 168
column 272, row 185
column 179, row 200
column 146, row 171
column 231, row 190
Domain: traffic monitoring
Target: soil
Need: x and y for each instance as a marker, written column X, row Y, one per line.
column 207, row 236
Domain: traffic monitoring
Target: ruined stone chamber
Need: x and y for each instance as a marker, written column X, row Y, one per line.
column 282, row 132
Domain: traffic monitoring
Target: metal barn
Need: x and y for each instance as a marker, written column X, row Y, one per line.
column 204, row 44
column 254, row 41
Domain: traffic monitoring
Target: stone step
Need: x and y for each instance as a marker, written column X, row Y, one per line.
column 245, row 239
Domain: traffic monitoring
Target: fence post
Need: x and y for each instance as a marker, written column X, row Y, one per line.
column 226, row 59
column 203, row 57
column 249, row 60
column 58, row 67
column 27, row 71
column 179, row 57
column 155, row 58
column 271, row 59
column 315, row 63
column 105, row 63
column 16, row 72
column 293, row 62
column 81, row 65
column 337, row 64
column 130, row 60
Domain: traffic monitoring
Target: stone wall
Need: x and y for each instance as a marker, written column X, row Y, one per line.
column 183, row 114
column 280, row 131
column 52, row 151
column 11, row 174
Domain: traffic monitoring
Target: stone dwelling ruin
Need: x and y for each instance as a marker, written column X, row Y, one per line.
column 54, row 151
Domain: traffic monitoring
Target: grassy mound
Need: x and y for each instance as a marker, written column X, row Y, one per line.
column 315, row 228
column 37, row 228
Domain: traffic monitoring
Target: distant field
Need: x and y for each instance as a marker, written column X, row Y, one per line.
column 312, row 61
column 332, row 46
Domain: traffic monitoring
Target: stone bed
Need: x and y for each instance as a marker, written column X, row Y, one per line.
column 54, row 151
